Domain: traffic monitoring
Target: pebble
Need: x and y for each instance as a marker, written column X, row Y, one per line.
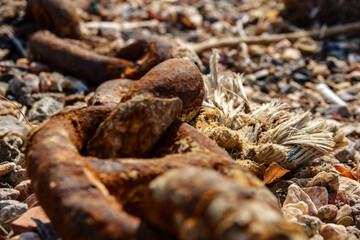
column 10, row 209
column 337, row 65
column 9, row 153
column 7, row 167
column 32, row 81
column 319, row 195
column 16, row 177
column 346, row 221
column 312, row 225
column 332, row 231
column 51, row 81
column 44, row 108
column 351, row 187
column 9, row 194
column 4, row 87
column 327, row 213
column 18, row 87
column 324, row 179
column 292, row 54
column 320, row 70
column 353, row 233
column 10, row 124
column 292, row 214
column 343, row 212
column 24, row 189
column 296, row 194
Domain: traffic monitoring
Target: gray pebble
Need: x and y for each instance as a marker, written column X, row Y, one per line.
column 10, row 209
column 9, row 194
column 44, row 108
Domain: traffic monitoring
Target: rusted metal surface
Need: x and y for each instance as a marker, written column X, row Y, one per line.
column 60, row 15
column 87, row 197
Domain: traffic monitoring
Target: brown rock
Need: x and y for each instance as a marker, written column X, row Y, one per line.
column 324, row 179
column 25, row 222
column 333, row 232
column 24, row 189
column 346, row 221
column 37, row 67
column 31, row 201
column 7, row 167
column 327, row 212
column 133, row 128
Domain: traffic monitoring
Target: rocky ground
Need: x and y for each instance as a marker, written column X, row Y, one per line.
column 315, row 74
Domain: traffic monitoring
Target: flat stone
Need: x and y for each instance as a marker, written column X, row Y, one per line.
column 296, row 194
column 25, row 223
column 9, row 194
column 343, row 212
column 319, row 195
column 332, row 231
column 346, row 221
column 7, row 167
column 350, row 186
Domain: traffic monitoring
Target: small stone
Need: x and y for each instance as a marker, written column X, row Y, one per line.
column 320, row 69
column 13, row 125
column 328, row 180
column 10, row 209
column 327, row 212
column 4, row 87
column 346, row 221
column 9, row 194
column 18, row 87
column 337, row 65
column 27, row 236
column 307, row 45
column 37, row 67
column 332, row 231
column 292, row 214
column 291, row 54
column 349, row 185
column 44, row 108
column 32, row 81
column 357, row 221
column 16, row 177
column 295, row 194
column 319, row 195
column 24, row 189
column 9, row 153
column 261, row 74
column 312, row 225
column 25, row 223
column 343, row 212
column 283, row 44
column 353, row 233
column 6, row 167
